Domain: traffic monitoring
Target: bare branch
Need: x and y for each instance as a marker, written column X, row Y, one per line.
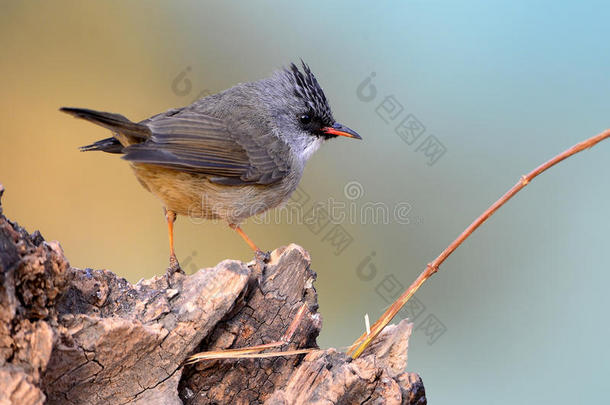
column 365, row 339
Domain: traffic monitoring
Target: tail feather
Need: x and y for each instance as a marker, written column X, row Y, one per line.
column 109, row 145
column 114, row 122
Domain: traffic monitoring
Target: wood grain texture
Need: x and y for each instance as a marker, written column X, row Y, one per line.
column 83, row 336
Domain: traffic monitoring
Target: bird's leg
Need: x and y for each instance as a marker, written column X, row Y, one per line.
column 259, row 254
column 174, row 266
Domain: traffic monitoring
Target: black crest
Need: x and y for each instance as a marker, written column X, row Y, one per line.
column 307, row 87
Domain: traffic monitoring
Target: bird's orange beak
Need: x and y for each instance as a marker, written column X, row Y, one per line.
column 340, row 130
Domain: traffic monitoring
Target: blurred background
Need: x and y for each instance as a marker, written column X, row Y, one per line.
column 454, row 102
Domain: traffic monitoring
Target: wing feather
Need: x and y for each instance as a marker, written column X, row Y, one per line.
column 197, row 143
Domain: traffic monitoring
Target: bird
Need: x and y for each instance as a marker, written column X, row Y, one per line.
column 227, row 156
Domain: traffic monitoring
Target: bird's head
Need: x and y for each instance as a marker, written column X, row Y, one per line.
column 300, row 109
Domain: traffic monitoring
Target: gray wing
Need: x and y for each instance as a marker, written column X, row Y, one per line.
column 197, row 143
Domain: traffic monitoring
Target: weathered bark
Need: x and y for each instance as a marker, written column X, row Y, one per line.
column 74, row 336
column 377, row 377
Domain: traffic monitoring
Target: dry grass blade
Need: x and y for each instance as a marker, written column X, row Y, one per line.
column 243, row 354
column 365, row 339
column 254, row 351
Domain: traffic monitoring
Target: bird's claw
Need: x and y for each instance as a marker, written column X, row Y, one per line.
column 261, row 256
column 174, row 266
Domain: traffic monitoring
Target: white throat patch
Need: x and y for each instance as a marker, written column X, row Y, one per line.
column 311, row 148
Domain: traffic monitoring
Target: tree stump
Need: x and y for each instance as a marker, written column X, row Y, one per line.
column 82, row 336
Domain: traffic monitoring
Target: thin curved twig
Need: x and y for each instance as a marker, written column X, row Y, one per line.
column 363, row 341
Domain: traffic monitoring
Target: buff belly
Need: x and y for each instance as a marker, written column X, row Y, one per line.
column 195, row 196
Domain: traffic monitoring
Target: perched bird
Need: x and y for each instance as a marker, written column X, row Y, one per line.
column 227, row 156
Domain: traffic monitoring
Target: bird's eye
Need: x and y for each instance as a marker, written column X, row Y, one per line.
column 305, row 119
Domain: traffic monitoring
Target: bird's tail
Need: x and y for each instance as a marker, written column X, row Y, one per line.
column 109, row 145
column 127, row 132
